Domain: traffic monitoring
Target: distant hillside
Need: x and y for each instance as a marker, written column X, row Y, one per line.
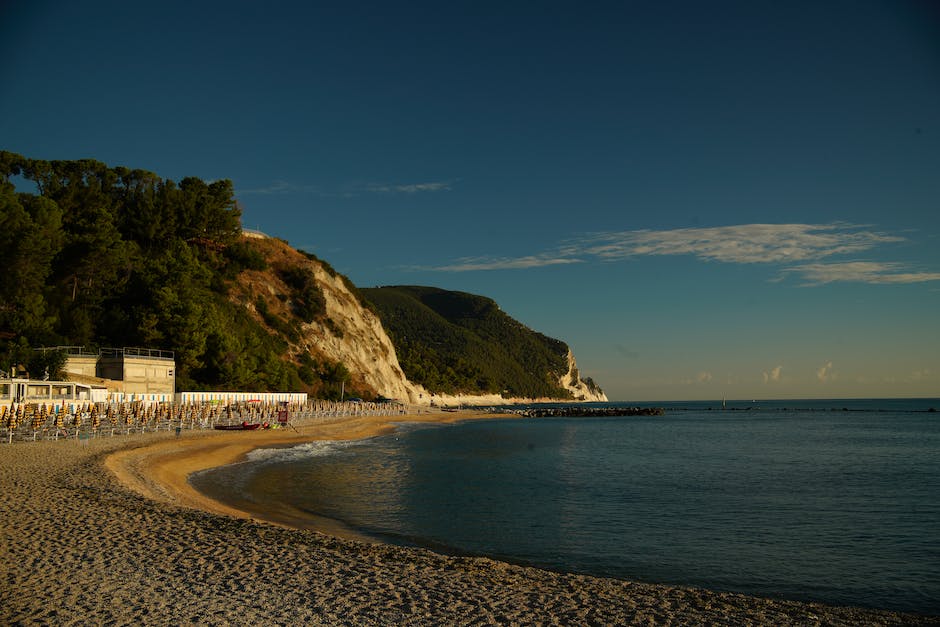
column 109, row 256
column 454, row 342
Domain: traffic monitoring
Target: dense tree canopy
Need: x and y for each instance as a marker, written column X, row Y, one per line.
column 108, row 256
column 102, row 256
column 456, row 342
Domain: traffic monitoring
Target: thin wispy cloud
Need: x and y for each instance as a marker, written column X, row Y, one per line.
column 280, row 187
column 744, row 243
column 860, row 272
column 627, row 352
column 779, row 244
column 286, row 187
column 411, row 188
column 484, row 263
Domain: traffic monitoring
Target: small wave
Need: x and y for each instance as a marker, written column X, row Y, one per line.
column 308, row 450
column 321, row 448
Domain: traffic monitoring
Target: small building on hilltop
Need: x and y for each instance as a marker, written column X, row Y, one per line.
column 129, row 372
column 143, row 370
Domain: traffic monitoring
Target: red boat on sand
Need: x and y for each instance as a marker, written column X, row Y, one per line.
column 245, row 426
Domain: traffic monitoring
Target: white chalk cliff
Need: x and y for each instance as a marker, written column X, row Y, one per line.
column 353, row 335
column 580, row 389
column 364, row 347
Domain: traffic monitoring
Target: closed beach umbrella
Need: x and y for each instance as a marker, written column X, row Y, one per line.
column 37, row 420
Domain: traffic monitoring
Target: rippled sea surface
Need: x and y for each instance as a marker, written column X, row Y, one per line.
column 815, row 501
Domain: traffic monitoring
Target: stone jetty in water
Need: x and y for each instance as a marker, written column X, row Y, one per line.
column 588, row 412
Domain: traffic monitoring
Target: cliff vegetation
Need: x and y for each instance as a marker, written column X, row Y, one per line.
column 95, row 255
column 459, row 343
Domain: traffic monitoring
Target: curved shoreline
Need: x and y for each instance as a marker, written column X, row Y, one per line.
column 79, row 546
column 161, row 471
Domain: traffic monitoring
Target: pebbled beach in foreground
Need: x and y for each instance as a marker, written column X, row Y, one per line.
column 109, row 532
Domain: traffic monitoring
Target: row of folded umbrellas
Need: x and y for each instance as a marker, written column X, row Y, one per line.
column 40, row 415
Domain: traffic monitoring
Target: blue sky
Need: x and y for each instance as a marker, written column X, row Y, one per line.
column 704, row 200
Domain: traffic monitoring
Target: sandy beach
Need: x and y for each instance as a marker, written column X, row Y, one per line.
column 109, row 531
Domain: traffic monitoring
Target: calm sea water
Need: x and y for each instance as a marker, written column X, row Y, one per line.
column 833, row 501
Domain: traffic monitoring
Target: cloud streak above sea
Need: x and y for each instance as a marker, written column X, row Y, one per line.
column 410, row 188
column 468, row 264
column 285, row 187
column 277, row 188
column 860, row 272
column 743, row 243
column 799, row 247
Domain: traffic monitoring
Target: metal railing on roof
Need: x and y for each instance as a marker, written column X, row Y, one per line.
column 129, row 351
column 133, row 351
column 68, row 350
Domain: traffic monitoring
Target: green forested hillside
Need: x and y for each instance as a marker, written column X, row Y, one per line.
column 99, row 256
column 456, row 342
column 94, row 255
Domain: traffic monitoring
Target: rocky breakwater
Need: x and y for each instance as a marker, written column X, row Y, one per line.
column 588, row 412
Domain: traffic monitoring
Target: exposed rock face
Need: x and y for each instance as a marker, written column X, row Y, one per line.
column 367, row 350
column 364, row 347
column 580, row 389
column 351, row 334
